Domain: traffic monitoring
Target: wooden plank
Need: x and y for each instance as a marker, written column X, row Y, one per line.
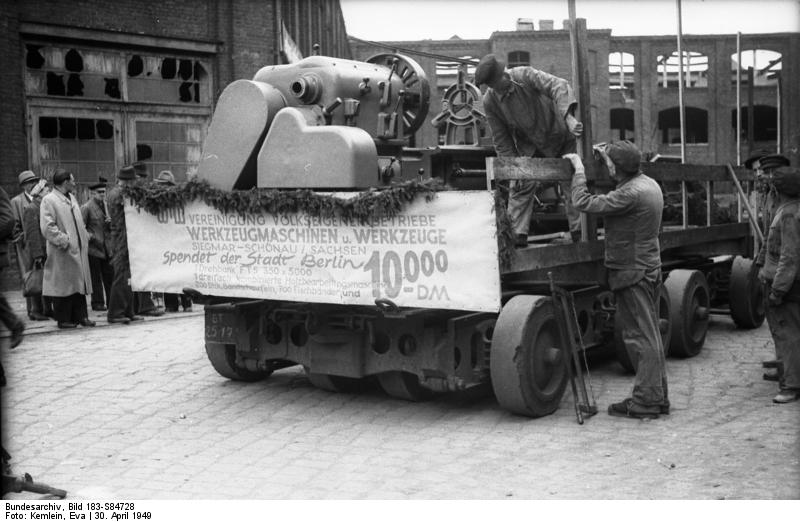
column 686, row 172
column 557, row 169
column 714, row 240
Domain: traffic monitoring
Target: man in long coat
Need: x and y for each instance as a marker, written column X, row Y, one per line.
column 27, row 180
column 120, row 301
column 66, row 271
column 37, row 245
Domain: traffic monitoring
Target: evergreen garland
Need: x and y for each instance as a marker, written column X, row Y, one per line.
column 364, row 206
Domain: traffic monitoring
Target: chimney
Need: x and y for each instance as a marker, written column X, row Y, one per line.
column 545, row 25
column 524, row 24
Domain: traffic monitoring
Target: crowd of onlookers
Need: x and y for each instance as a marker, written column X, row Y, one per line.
column 69, row 253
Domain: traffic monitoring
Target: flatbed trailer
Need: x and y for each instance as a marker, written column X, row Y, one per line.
column 414, row 352
column 328, row 124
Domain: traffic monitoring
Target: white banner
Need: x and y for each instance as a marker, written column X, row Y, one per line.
column 437, row 254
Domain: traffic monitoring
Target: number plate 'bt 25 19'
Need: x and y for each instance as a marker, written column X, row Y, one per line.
column 220, row 327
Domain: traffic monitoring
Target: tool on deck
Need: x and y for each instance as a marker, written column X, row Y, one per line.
column 569, row 331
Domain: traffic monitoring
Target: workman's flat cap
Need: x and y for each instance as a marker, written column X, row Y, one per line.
column 625, row 155
column 488, row 69
column 772, row 161
column 165, row 177
column 756, row 155
column 127, row 172
column 141, row 169
column 787, row 180
column 101, row 183
column 27, row 176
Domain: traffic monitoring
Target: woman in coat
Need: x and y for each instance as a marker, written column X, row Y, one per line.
column 66, row 271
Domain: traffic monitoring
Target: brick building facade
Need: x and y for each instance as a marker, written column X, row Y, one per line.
column 93, row 85
column 633, row 83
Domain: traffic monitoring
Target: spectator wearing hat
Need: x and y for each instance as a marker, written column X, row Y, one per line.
column 632, row 210
column 779, row 260
column 531, row 113
column 98, row 225
column 140, row 168
column 173, row 301
column 120, row 301
column 27, row 180
column 37, row 244
column 66, row 270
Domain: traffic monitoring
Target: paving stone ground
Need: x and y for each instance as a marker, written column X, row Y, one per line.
column 137, row 412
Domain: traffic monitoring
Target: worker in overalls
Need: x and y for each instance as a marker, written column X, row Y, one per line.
column 531, row 113
column 779, row 260
column 764, row 163
column 632, row 216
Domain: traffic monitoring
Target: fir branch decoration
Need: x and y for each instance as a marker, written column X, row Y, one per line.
column 365, row 206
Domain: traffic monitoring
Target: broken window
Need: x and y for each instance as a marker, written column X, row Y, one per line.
column 620, row 71
column 52, row 70
column 167, row 80
column 622, row 124
column 519, row 58
column 765, row 123
column 695, row 69
column 83, row 146
column 696, row 123
column 169, row 145
column 70, row 71
column 766, row 66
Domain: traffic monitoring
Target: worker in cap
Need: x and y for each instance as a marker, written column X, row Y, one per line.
column 120, row 299
column 779, row 260
column 763, row 159
column 98, row 224
column 165, row 177
column 531, row 113
column 27, row 180
column 764, row 162
column 632, row 216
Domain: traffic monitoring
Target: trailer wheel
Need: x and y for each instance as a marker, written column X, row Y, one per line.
column 689, row 299
column 333, row 383
column 746, row 294
column 404, row 385
column 630, row 361
column 527, row 361
column 223, row 359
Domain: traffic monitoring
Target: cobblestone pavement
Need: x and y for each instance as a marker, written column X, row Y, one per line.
column 137, row 412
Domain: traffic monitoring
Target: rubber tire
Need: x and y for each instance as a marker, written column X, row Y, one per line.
column 746, row 294
column 404, row 386
column 527, row 378
column 688, row 290
column 333, row 383
column 223, row 359
column 628, row 362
